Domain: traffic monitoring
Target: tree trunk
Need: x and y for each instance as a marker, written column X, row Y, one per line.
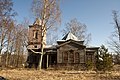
column 7, row 56
column 41, row 57
column 42, row 51
column 40, row 62
column 17, row 63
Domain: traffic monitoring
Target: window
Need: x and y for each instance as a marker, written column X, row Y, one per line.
column 71, row 56
column 35, row 34
column 77, row 57
column 65, row 57
column 82, row 57
column 60, row 57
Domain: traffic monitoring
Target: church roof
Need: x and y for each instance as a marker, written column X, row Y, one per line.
column 70, row 36
column 37, row 21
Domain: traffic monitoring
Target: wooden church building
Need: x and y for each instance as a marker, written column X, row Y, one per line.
column 68, row 52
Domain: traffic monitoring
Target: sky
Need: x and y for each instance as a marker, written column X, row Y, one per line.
column 96, row 14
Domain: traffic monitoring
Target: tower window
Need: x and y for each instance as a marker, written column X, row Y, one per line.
column 35, row 34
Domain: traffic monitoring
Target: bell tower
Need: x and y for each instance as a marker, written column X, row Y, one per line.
column 35, row 35
column 35, row 38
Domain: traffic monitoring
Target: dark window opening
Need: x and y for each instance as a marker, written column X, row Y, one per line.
column 35, row 34
column 35, row 46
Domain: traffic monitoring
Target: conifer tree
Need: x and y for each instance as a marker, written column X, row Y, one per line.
column 103, row 59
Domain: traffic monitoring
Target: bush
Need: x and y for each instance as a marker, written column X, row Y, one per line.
column 89, row 65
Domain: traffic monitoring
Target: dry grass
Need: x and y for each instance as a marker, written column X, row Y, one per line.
column 21, row 74
column 24, row 74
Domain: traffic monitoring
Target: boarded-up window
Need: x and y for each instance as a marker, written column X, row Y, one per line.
column 71, row 56
column 77, row 57
column 60, row 55
column 65, row 57
column 82, row 56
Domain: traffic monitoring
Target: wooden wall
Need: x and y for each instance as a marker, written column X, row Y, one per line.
column 71, row 54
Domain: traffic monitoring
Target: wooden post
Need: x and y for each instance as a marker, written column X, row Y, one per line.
column 47, row 60
column 0, row 59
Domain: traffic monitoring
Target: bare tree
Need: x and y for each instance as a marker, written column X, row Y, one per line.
column 6, row 25
column 78, row 29
column 115, row 39
column 6, row 13
column 6, row 10
column 117, row 23
column 20, row 41
column 49, row 13
column 13, row 37
column 52, row 36
column 3, row 33
column 10, row 38
column 114, row 42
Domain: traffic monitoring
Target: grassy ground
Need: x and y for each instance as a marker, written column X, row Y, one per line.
column 24, row 74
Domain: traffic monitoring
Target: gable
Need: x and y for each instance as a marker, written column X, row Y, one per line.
column 71, row 45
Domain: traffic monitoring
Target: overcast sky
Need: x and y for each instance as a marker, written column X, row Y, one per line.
column 96, row 14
